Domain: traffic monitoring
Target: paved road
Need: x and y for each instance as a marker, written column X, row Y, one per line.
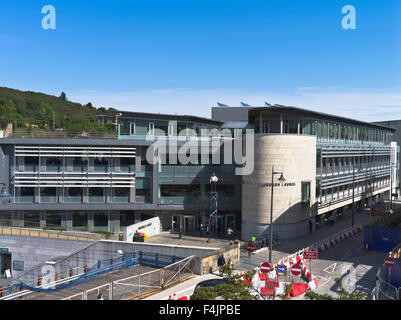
column 347, row 260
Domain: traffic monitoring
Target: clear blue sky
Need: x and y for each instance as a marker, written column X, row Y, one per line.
column 165, row 55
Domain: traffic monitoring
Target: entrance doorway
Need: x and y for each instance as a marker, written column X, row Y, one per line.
column 187, row 224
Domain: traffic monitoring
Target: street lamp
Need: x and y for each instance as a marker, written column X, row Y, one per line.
column 391, row 185
column 281, row 179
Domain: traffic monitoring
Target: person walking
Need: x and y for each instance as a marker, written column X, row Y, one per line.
column 201, row 229
column 310, row 226
column 221, row 261
column 229, row 234
column 331, row 219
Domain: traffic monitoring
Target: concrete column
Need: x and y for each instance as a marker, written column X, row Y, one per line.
column 18, row 219
column 91, row 221
column 116, row 222
column 20, row 163
column 137, row 217
column 85, row 196
column 42, row 219
column 117, row 164
column 69, row 164
column 91, row 164
column 68, row 218
column 132, row 194
column 42, row 164
column 138, row 163
column 106, row 195
column 154, row 184
column 59, row 195
column 36, row 194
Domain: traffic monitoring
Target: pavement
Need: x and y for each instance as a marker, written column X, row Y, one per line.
column 348, row 260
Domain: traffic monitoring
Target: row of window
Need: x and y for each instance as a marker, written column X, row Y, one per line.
column 78, row 164
column 76, row 195
column 141, row 127
column 325, row 130
column 344, row 191
column 334, row 165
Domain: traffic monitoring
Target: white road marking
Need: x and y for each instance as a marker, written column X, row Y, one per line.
column 322, row 284
column 332, row 266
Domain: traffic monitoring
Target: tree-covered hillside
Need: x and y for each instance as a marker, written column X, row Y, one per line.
column 29, row 111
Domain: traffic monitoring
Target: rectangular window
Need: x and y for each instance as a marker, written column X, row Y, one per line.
column 132, row 128
column 305, row 189
column 124, row 127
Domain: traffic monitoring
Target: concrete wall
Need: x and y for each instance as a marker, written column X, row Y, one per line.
column 149, row 226
column 208, row 261
column 295, row 156
column 34, row 250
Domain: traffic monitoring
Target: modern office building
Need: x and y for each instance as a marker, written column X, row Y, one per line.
column 329, row 163
column 89, row 184
column 396, row 124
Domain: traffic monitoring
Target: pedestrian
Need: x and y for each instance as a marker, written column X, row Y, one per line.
column 230, row 233
column 221, row 262
column 201, row 229
column 99, row 296
column 207, row 230
column 310, row 226
column 331, row 219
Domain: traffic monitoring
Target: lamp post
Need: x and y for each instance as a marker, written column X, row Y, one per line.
column 391, row 185
column 353, row 193
column 281, row 179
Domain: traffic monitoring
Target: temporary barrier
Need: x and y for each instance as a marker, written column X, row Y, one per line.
column 298, row 288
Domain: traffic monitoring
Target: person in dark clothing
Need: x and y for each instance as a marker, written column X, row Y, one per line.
column 310, row 226
column 221, row 261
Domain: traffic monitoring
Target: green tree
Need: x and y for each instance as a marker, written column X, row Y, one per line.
column 63, row 96
column 235, row 289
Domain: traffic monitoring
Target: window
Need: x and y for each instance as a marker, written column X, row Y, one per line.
column 151, row 128
column 305, row 190
column 124, row 127
column 132, row 128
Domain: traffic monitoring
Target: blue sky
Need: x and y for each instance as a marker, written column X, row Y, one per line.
column 184, row 56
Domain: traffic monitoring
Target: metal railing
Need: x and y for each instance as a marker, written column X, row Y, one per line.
column 15, row 231
column 61, row 134
column 385, row 290
column 137, row 286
